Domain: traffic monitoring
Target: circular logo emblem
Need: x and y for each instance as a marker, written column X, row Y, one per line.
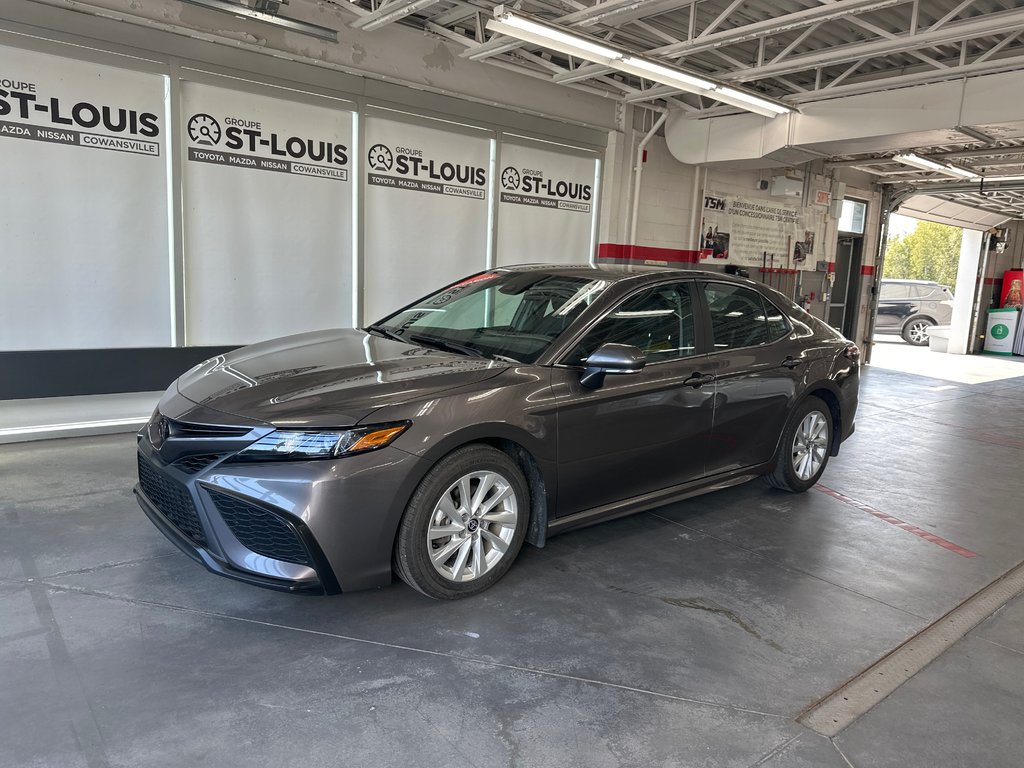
column 472, row 525
column 1000, row 331
column 203, row 129
column 380, row 158
column 510, row 178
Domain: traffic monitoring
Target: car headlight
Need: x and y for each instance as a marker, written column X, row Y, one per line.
column 322, row 444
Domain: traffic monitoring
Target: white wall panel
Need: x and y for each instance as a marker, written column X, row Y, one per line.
column 267, row 200
column 84, row 251
column 425, row 209
column 546, row 205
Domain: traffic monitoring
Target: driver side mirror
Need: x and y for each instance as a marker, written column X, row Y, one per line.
column 614, row 359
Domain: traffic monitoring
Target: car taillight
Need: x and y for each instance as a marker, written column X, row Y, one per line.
column 852, row 353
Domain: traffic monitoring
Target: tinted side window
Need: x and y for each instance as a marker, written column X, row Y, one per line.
column 737, row 316
column 778, row 324
column 658, row 321
column 893, row 291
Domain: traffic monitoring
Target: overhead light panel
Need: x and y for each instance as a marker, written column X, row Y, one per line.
column 541, row 34
column 262, row 16
column 652, row 70
column 974, row 133
column 926, row 164
column 549, row 36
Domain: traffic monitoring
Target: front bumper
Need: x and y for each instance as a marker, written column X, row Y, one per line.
column 317, row 527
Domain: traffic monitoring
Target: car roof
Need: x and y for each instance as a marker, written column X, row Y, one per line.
column 618, row 272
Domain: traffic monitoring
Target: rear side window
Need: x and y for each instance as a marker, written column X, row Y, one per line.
column 739, row 319
column 778, row 324
column 893, row 291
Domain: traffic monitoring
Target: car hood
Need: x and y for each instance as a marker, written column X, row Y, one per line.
column 327, row 378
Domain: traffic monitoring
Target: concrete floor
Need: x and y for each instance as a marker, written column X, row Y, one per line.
column 690, row 636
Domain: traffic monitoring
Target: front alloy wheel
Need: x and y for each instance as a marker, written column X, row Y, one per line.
column 916, row 332
column 473, row 525
column 464, row 525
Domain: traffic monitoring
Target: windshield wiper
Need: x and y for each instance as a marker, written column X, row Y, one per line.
column 385, row 332
column 449, row 346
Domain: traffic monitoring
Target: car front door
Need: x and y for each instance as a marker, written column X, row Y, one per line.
column 758, row 367
column 640, row 432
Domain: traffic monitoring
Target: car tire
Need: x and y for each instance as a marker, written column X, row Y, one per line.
column 804, row 449
column 916, row 331
column 464, row 525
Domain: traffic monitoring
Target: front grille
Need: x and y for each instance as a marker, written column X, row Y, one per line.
column 197, row 462
column 259, row 530
column 173, row 501
column 185, row 429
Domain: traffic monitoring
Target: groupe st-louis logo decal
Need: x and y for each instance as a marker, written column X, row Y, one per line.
column 510, row 178
column 204, row 129
column 380, row 158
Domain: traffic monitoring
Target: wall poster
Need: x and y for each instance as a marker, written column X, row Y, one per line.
column 267, row 211
column 755, row 232
column 425, row 210
column 84, row 230
column 546, row 205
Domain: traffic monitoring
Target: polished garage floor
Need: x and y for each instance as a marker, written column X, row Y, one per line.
column 691, row 636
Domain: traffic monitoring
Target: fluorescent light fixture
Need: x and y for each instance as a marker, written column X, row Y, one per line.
column 963, row 172
column 666, row 75
column 974, row 133
column 538, row 34
column 748, row 100
column 554, row 38
column 919, row 162
column 931, row 165
column 245, row 12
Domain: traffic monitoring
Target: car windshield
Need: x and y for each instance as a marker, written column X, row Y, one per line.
column 510, row 316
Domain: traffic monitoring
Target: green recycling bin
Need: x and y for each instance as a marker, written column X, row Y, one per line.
column 1002, row 326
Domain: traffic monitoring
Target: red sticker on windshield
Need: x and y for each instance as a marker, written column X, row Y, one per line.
column 475, row 279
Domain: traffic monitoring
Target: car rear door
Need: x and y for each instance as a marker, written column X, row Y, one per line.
column 758, row 365
column 638, row 432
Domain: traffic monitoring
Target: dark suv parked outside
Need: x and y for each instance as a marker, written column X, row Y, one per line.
column 911, row 307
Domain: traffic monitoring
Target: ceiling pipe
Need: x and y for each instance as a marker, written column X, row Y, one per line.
column 638, row 172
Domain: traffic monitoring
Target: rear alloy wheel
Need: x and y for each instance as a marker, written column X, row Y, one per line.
column 916, row 332
column 805, row 446
column 464, row 525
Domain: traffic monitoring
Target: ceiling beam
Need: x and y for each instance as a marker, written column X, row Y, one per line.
column 774, row 26
column 876, row 85
column 979, row 26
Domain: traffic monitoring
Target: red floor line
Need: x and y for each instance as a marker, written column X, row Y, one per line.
column 945, row 543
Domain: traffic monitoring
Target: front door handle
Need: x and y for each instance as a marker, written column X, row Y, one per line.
column 791, row 362
column 698, row 380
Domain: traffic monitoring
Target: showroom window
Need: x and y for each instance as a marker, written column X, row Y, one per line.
column 739, row 319
column 658, row 321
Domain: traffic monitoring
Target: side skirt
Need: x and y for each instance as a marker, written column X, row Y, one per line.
column 655, row 499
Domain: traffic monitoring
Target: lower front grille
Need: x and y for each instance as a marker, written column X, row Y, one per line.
column 173, row 501
column 197, row 462
column 259, row 530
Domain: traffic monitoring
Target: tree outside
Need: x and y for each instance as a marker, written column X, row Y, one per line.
column 930, row 252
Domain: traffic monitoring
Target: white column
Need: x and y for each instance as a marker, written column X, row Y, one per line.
column 966, row 290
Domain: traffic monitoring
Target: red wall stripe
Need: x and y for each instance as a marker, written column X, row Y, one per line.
column 867, row 269
column 647, row 253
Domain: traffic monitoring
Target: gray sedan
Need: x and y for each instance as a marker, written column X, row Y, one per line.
column 505, row 408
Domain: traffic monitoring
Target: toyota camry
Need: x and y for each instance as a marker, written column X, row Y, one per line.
column 510, row 406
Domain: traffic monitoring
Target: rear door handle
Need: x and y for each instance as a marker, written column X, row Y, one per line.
column 698, row 380
column 791, row 362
